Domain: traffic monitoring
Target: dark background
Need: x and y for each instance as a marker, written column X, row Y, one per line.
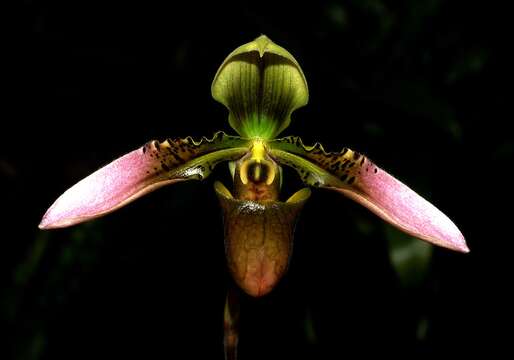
column 421, row 87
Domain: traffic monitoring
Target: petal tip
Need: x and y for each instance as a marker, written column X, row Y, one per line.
column 47, row 223
column 463, row 247
column 56, row 218
column 457, row 243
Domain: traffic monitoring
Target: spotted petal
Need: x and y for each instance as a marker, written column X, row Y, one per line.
column 356, row 177
column 138, row 173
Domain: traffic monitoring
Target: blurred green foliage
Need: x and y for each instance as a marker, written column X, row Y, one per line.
column 410, row 257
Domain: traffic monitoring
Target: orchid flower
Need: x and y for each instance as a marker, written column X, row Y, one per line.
column 261, row 84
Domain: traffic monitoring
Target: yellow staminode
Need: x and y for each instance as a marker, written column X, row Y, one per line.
column 258, row 156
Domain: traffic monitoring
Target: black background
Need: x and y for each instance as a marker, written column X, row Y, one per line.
column 421, row 87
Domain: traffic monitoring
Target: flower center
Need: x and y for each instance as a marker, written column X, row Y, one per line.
column 257, row 176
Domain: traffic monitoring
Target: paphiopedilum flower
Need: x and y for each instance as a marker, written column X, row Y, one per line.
column 261, row 84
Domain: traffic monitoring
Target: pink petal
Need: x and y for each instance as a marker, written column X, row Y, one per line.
column 113, row 186
column 355, row 176
column 140, row 172
column 396, row 203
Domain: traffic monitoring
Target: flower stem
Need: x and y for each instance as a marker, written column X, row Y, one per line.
column 231, row 324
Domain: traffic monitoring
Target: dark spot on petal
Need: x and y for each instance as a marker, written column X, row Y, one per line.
column 376, row 170
column 178, row 158
column 335, row 165
column 362, row 161
column 343, row 178
column 351, row 180
column 165, row 167
column 356, row 155
column 344, row 151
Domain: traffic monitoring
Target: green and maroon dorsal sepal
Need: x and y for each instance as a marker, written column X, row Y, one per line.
column 261, row 84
